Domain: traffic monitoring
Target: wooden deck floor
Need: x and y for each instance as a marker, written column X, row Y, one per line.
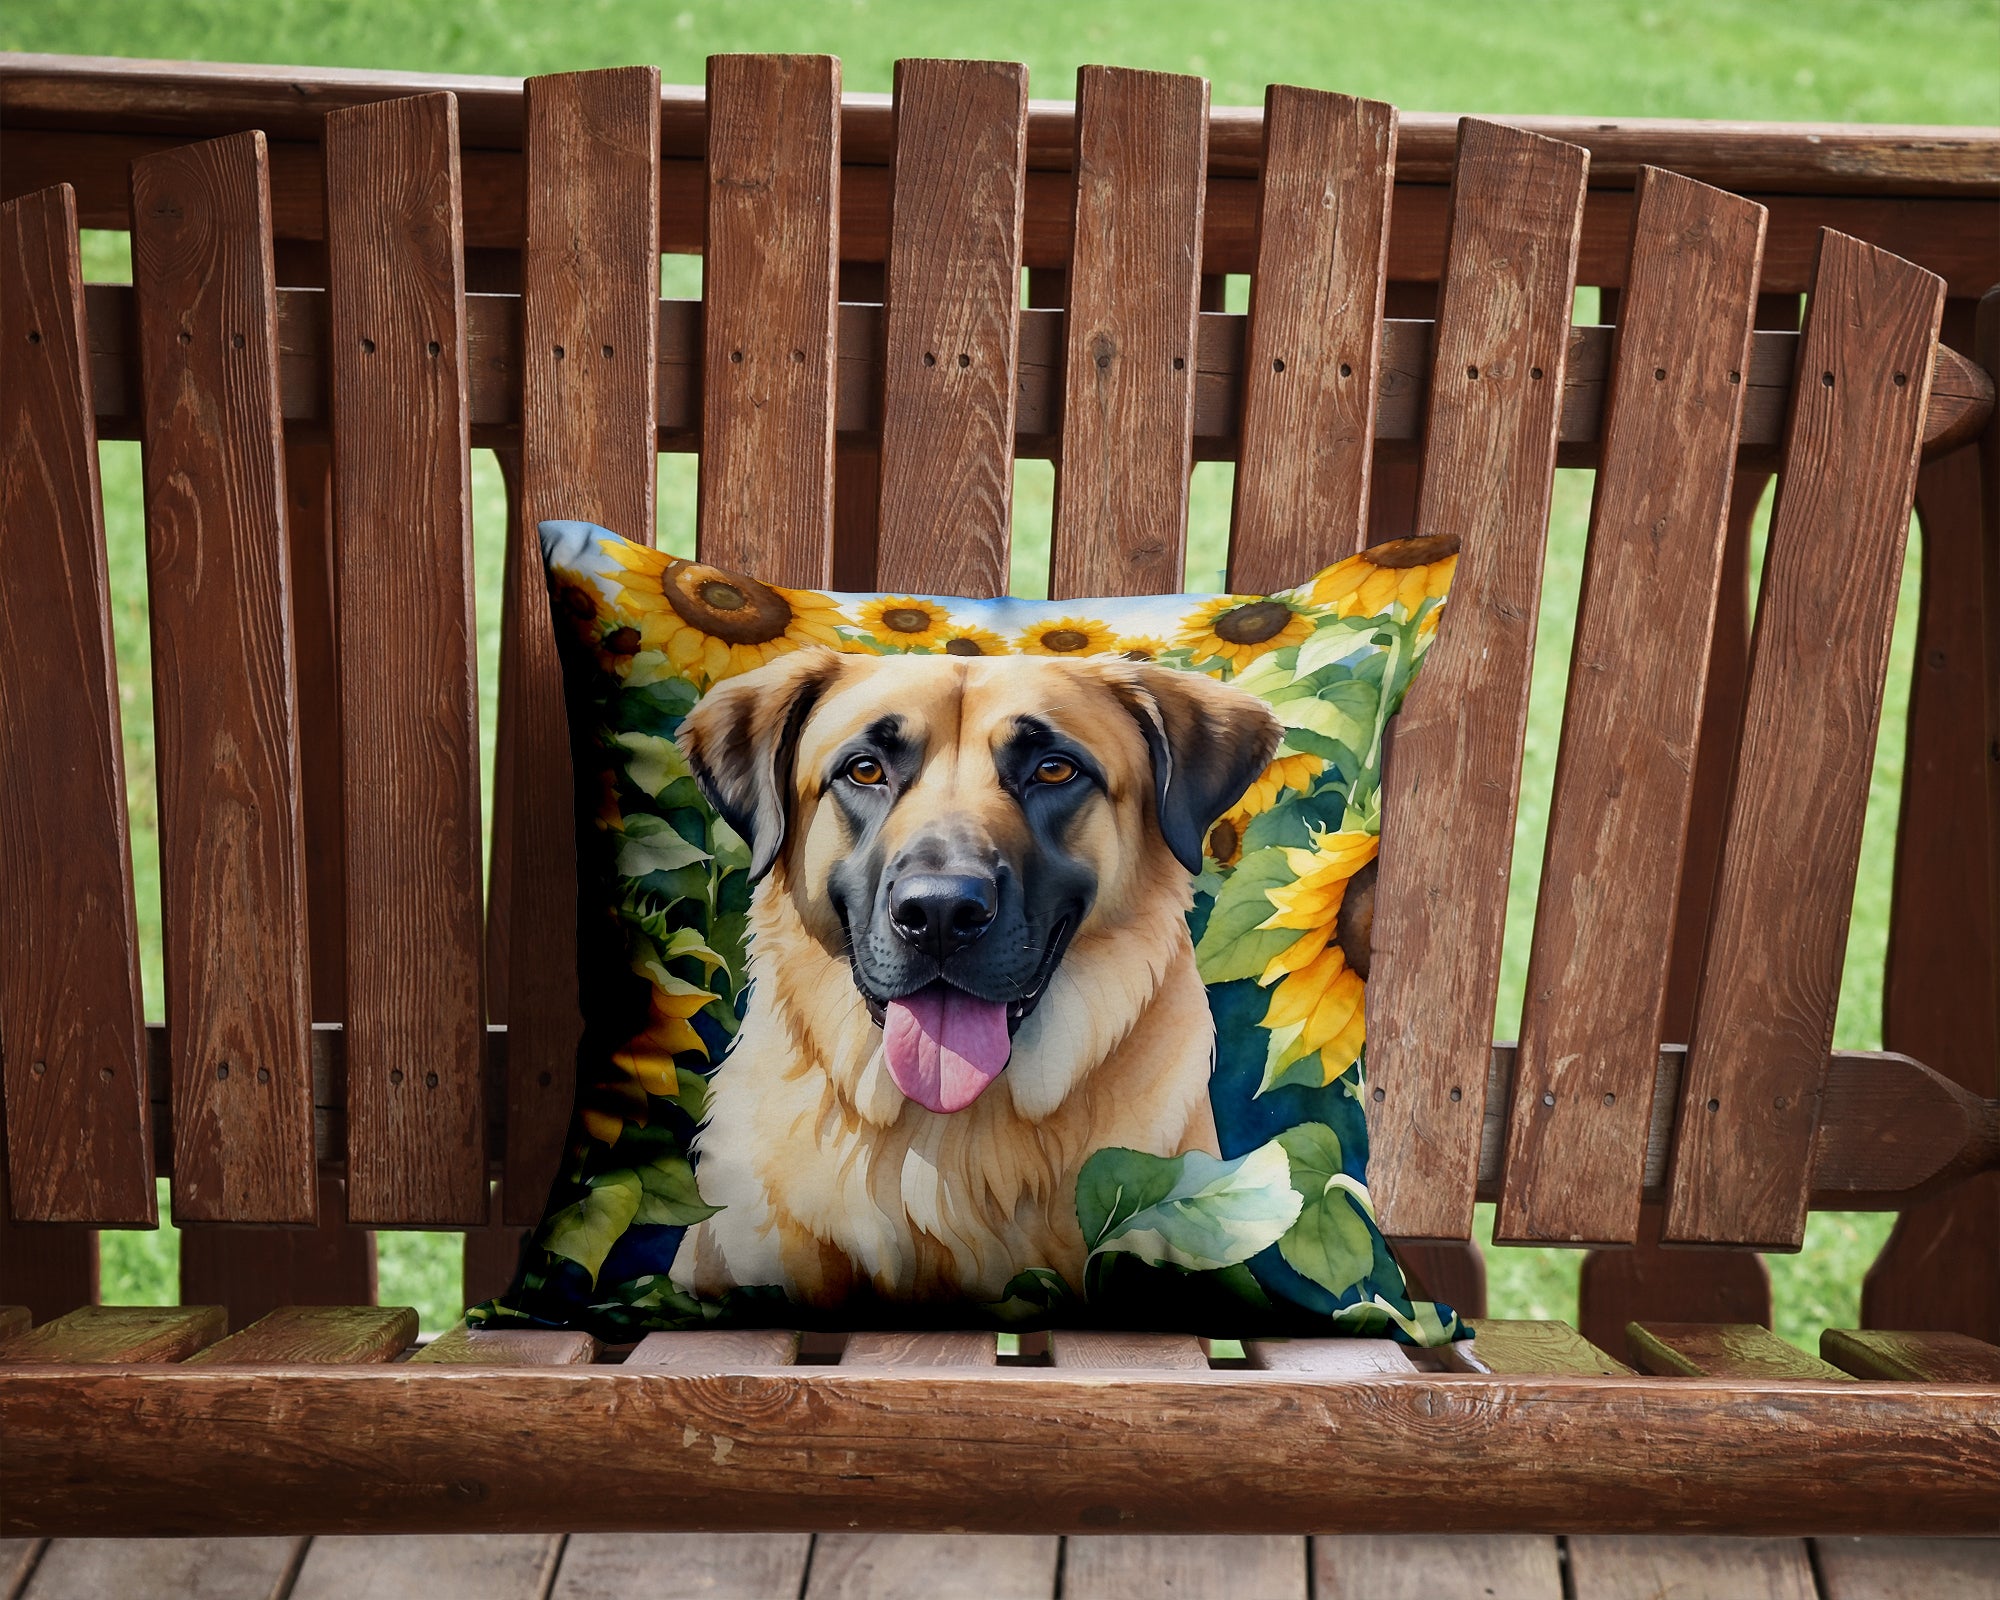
column 858, row 1566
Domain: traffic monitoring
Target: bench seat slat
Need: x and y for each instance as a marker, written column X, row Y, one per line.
column 920, row 1350
column 1751, row 1094
column 1721, row 1350
column 225, row 710
column 1314, row 337
column 1451, row 780
column 1912, row 1357
column 1597, row 972
column 319, row 1335
column 409, row 701
column 1510, row 1348
column 255, row 1271
column 78, row 1136
column 111, row 1335
column 462, row 1346
column 1350, row 1358
column 716, row 1349
column 1089, row 1349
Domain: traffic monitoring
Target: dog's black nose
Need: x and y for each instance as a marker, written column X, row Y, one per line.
column 941, row 912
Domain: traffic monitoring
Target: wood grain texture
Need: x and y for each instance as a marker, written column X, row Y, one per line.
column 232, row 866
column 1449, row 790
column 94, row 1335
column 589, row 345
column 48, row 1267
column 1346, row 1358
column 1268, row 1566
column 1314, row 338
column 492, row 1253
column 1624, row 782
column 316, row 1335
column 13, row 1320
column 409, row 701
column 1620, row 1566
column 413, row 1448
column 254, row 1271
column 1916, row 1357
column 461, row 1346
column 1088, row 1349
column 951, row 324
column 165, row 1569
column 1129, row 334
column 919, row 1350
column 1929, row 1272
column 1764, row 1019
column 1648, row 1282
column 716, row 1349
column 1362, row 1566
column 769, row 280
column 77, row 1131
column 1721, row 1350
column 489, row 1566
column 1907, row 1569
column 933, row 1566
column 667, row 1566
column 1515, row 1348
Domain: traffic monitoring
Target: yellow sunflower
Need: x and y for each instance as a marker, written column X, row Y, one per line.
column 973, row 641
column 1324, row 972
column 711, row 624
column 1141, row 647
column 1238, row 631
column 1288, row 771
column 906, row 622
column 1403, row 571
column 1066, row 636
column 648, row 1056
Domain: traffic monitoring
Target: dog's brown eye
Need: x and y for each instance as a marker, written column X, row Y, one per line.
column 1054, row 769
column 865, row 769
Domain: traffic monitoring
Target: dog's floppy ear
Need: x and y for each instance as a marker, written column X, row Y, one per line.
column 1208, row 742
column 739, row 741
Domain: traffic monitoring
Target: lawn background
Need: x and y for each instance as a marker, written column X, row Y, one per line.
column 1826, row 60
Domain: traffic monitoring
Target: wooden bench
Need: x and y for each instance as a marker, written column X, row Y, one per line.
column 342, row 282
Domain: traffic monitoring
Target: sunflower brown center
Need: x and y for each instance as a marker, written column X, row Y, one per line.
column 622, row 641
column 906, row 619
column 735, row 609
column 962, row 647
column 1061, row 639
column 1222, row 840
column 1418, row 552
column 1354, row 924
column 1254, row 623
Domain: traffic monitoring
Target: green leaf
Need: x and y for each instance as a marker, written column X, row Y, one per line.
column 1333, row 641
column 1115, row 1183
column 1344, row 711
column 1286, row 1061
column 652, row 762
column 693, row 1098
column 669, row 1195
column 585, row 1231
column 1213, row 1213
column 1331, row 1242
column 652, row 845
column 1233, row 946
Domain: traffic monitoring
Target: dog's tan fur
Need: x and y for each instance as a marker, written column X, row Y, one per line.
column 831, row 1182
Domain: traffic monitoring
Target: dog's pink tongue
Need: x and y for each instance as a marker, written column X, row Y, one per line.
column 945, row 1046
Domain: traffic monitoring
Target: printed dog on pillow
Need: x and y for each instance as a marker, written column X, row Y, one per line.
column 969, row 958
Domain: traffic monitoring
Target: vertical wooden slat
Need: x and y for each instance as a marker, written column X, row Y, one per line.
column 1449, row 791
column 232, row 868
column 1764, row 1020
column 589, row 335
column 1597, row 973
column 253, row 1271
column 1315, row 336
column 409, row 699
column 952, row 319
column 79, row 1141
column 857, row 459
column 769, row 283
column 1129, row 337
column 49, row 1267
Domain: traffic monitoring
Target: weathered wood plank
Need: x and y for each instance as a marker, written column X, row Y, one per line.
column 94, row 1335
column 589, row 340
column 1913, row 1357
column 461, row 1346
column 165, row 1569
column 1129, row 334
column 770, row 275
column 466, row 1566
column 1314, row 339
column 1764, row 1020
column 1649, row 1282
column 1907, row 1569
column 316, row 1334
column 1362, row 1566
column 934, row 1566
column 1347, row 1358
column 1489, row 467
column 951, row 326
column 668, row 1566
column 717, row 1349
column 47, row 1267
column 409, row 702
column 1620, row 1566
column 1721, row 1350
column 1510, row 1348
column 1598, row 968
column 408, row 1447
column 18, row 1558
column 78, row 1138
column 1122, row 1566
column 919, row 1350
column 1087, row 1348
column 232, row 868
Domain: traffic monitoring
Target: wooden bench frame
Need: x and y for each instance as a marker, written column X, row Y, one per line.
column 348, row 975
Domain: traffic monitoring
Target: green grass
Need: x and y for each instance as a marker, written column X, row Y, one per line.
column 1840, row 60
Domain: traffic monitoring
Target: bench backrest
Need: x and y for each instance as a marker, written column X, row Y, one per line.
column 306, row 458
